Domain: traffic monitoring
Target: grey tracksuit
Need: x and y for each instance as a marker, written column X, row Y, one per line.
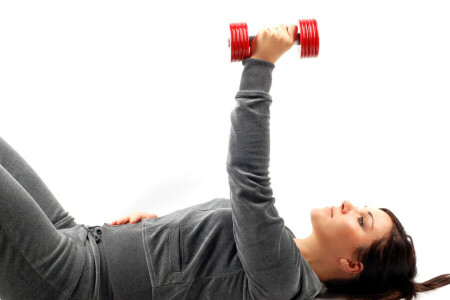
column 235, row 248
column 44, row 253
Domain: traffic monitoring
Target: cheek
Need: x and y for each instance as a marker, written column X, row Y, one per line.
column 345, row 229
column 334, row 230
column 341, row 235
column 348, row 236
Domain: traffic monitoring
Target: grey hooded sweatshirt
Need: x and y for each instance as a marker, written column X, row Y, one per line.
column 232, row 249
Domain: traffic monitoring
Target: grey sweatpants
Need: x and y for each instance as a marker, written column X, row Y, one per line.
column 44, row 253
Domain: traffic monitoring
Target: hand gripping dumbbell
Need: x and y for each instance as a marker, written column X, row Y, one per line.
column 307, row 39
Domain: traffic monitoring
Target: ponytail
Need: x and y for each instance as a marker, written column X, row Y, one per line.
column 436, row 282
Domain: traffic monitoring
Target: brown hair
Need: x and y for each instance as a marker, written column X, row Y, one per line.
column 389, row 270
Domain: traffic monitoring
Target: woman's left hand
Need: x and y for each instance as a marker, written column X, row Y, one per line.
column 133, row 218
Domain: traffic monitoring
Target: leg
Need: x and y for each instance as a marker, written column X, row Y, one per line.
column 37, row 261
column 32, row 183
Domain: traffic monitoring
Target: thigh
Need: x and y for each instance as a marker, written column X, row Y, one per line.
column 18, row 280
column 33, row 253
column 32, row 183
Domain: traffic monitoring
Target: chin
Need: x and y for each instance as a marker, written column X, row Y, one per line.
column 316, row 216
column 317, row 213
column 319, row 220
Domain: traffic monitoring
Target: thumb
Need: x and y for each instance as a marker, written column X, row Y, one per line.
column 293, row 32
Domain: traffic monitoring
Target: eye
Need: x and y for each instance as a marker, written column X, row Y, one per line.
column 361, row 222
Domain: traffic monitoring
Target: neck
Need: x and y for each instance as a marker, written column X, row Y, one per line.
column 317, row 258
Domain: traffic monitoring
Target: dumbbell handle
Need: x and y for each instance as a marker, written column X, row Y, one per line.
column 250, row 39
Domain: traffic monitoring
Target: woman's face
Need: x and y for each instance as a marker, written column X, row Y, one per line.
column 342, row 229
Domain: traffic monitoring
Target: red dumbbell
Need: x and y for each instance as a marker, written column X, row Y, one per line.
column 307, row 39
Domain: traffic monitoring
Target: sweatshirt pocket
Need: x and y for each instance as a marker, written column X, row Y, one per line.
column 175, row 253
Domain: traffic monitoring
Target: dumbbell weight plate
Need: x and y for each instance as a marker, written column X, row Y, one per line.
column 238, row 41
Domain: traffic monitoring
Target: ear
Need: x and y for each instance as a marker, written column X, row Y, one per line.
column 350, row 266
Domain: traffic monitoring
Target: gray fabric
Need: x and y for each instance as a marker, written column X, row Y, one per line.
column 44, row 253
column 273, row 264
column 125, row 258
column 105, row 292
column 235, row 248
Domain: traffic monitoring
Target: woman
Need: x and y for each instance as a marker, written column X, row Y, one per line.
column 235, row 248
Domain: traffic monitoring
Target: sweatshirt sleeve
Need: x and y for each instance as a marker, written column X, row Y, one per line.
column 269, row 255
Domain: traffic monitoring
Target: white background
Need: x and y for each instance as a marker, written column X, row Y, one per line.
column 123, row 106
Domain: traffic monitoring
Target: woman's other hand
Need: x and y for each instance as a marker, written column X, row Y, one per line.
column 271, row 43
column 133, row 218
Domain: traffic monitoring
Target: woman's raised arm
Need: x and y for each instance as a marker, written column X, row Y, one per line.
column 270, row 258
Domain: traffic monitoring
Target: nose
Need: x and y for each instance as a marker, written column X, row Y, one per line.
column 346, row 206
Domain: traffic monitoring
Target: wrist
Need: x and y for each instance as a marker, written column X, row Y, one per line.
column 268, row 59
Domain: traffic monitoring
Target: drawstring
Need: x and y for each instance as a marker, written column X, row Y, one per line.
column 94, row 238
column 96, row 231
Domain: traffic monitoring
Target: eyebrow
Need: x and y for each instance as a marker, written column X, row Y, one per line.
column 372, row 218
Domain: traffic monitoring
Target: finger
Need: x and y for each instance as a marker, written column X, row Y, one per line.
column 254, row 42
column 293, row 32
column 123, row 220
column 282, row 28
